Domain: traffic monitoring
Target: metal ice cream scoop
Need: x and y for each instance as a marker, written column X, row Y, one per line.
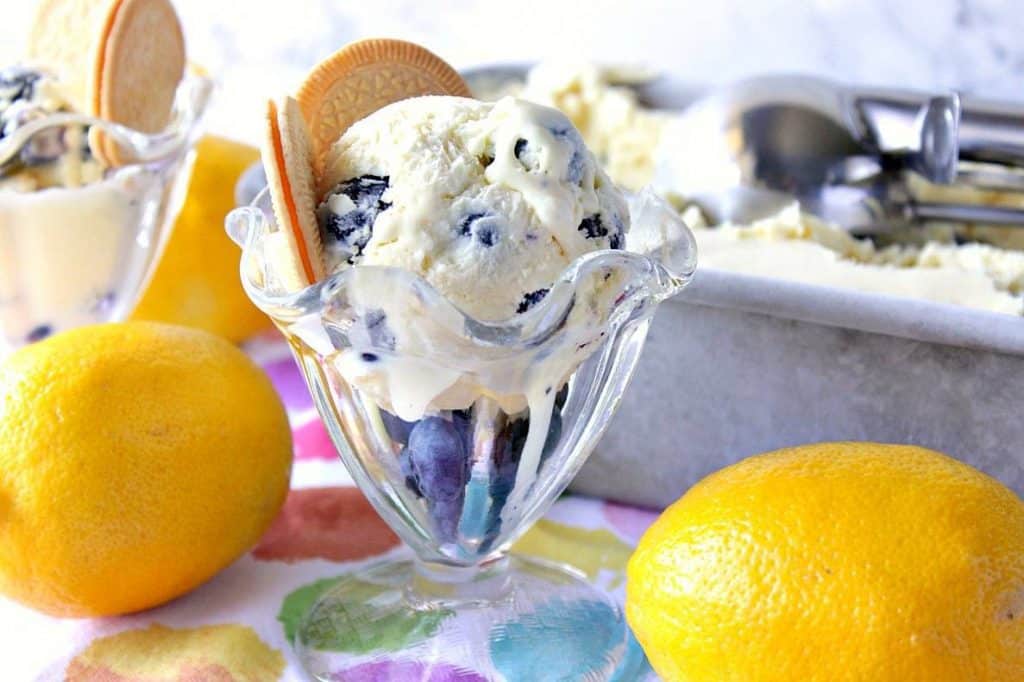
column 867, row 159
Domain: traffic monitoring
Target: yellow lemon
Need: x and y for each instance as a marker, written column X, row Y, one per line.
column 136, row 461
column 196, row 282
column 833, row 562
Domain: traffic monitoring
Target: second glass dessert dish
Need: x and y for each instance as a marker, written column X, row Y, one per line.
column 85, row 208
column 462, row 433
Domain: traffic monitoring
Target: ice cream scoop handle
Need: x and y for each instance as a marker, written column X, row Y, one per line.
column 965, row 213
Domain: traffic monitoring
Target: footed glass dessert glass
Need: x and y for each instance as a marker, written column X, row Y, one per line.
column 80, row 248
column 462, row 433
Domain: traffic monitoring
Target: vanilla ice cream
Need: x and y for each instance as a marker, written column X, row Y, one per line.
column 489, row 202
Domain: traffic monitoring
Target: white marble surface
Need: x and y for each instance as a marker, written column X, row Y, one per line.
column 262, row 47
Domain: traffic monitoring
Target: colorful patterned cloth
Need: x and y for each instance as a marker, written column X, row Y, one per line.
column 235, row 628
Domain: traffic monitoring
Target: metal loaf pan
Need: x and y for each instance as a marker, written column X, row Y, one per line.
column 738, row 365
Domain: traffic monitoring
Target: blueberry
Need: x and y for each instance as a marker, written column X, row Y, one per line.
column 484, row 227
column 508, row 448
column 39, row 333
column 526, row 155
column 17, row 83
column 618, row 237
column 438, row 455
column 520, row 147
column 531, row 299
column 405, row 465
column 377, row 329
column 17, row 86
column 353, row 229
column 439, row 452
column 397, row 428
column 507, row 451
column 592, row 227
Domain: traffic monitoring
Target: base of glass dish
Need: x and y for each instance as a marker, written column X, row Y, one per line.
column 514, row 619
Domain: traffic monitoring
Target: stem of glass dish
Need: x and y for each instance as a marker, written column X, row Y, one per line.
column 437, row 585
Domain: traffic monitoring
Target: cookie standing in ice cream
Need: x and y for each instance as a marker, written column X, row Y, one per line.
column 73, row 204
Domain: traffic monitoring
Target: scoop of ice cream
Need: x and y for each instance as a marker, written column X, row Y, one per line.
column 489, row 202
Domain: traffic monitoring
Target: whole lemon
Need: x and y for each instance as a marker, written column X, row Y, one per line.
column 832, row 562
column 136, row 461
column 196, row 282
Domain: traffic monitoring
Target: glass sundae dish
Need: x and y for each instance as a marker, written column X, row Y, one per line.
column 96, row 126
column 78, row 239
column 462, row 432
column 467, row 294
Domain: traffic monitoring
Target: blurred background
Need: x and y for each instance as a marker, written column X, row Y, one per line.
column 264, row 47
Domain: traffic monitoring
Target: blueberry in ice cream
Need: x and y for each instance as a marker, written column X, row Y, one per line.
column 489, row 202
column 531, row 299
column 438, row 461
column 16, row 83
column 346, row 216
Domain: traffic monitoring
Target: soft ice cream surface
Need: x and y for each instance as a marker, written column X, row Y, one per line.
column 795, row 246
column 489, row 202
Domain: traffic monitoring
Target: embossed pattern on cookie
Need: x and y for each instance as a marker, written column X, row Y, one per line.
column 362, row 77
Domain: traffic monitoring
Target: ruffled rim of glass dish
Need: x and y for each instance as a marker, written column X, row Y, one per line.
column 659, row 269
column 191, row 101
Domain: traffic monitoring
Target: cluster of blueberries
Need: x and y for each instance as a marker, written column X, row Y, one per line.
column 436, row 460
column 17, row 88
column 351, row 231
